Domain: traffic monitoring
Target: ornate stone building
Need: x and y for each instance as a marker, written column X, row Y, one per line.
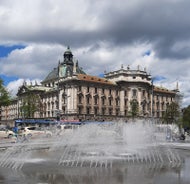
column 69, row 93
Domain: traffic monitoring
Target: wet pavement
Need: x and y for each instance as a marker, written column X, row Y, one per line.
column 122, row 174
column 43, row 171
column 37, row 161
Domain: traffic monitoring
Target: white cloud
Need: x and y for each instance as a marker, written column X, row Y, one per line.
column 13, row 86
column 102, row 35
column 34, row 60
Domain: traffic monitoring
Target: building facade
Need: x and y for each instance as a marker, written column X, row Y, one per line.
column 68, row 93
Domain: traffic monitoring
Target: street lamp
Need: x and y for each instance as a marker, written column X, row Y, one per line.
column 152, row 98
column 58, row 110
column 0, row 105
column 66, row 96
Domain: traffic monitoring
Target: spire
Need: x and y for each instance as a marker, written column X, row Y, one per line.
column 138, row 67
column 24, row 83
column 77, row 63
column 58, row 69
column 177, row 86
column 75, row 67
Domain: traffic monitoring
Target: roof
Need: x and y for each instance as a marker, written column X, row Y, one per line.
column 52, row 75
column 64, row 71
column 90, row 78
column 25, row 88
column 68, row 51
column 163, row 90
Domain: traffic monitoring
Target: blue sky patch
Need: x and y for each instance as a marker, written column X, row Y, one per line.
column 5, row 50
column 7, row 79
column 147, row 53
column 158, row 78
column 101, row 75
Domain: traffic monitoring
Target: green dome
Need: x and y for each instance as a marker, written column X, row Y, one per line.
column 52, row 75
column 68, row 51
column 65, row 68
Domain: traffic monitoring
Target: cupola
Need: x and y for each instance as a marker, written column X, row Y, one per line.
column 68, row 57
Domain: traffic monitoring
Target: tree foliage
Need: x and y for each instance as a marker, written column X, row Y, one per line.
column 186, row 117
column 31, row 103
column 172, row 113
column 4, row 95
column 134, row 108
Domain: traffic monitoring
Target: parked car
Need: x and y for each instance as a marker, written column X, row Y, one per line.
column 5, row 133
column 66, row 129
column 34, row 131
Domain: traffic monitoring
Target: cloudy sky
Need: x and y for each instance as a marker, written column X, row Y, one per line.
column 102, row 35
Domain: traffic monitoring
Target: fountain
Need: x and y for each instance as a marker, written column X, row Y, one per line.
column 97, row 152
column 93, row 145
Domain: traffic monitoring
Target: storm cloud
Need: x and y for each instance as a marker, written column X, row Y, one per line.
column 102, row 35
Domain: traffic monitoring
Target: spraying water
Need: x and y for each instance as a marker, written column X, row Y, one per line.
column 93, row 145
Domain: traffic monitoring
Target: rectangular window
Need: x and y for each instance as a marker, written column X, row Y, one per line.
column 80, row 100
column 134, row 92
column 95, row 111
column 103, row 101
column 110, row 111
column 96, row 90
column 110, row 102
column 88, row 100
column 143, row 94
column 103, row 111
column 80, row 110
column 125, row 93
column 110, row 91
column 125, row 102
column 88, row 110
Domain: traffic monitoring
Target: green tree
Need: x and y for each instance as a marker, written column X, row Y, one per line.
column 172, row 113
column 31, row 103
column 186, row 117
column 134, row 108
column 4, row 95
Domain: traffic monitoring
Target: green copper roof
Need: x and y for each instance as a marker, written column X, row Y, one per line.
column 66, row 68
column 68, row 51
column 52, row 75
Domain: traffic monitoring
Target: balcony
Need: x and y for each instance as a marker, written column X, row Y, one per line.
column 79, row 93
column 88, row 94
column 88, row 104
column 80, row 105
column 96, row 95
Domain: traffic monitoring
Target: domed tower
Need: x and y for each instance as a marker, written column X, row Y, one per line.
column 67, row 68
column 68, row 57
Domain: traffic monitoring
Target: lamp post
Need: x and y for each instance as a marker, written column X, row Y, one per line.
column 58, row 110
column 0, row 105
column 66, row 96
column 152, row 99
